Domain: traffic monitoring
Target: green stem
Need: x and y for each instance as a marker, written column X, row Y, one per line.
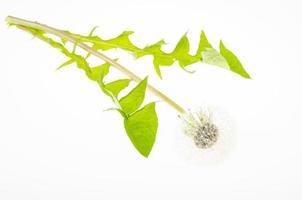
column 68, row 37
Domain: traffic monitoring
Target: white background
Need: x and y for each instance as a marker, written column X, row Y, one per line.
column 57, row 143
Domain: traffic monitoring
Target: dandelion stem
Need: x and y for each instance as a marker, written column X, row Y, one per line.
column 70, row 38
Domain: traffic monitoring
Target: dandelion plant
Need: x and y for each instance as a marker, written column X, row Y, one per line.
column 140, row 119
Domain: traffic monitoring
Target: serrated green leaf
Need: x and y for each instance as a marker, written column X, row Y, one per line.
column 160, row 58
column 116, row 86
column 141, row 128
column 233, row 61
column 133, row 100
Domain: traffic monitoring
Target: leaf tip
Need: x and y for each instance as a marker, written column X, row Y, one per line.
column 92, row 31
column 127, row 33
column 233, row 61
column 221, row 45
column 157, row 68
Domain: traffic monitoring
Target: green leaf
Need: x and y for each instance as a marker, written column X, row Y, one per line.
column 205, row 51
column 141, row 128
column 180, row 54
column 116, row 86
column 233, row 61
column 132, row 101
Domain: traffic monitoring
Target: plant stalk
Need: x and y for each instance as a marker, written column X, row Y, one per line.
column 70, row 38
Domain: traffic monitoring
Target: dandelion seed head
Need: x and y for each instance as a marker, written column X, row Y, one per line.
column 207, row 135
column 200, row 127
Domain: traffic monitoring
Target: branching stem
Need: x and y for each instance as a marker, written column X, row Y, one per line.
column 70, row 38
